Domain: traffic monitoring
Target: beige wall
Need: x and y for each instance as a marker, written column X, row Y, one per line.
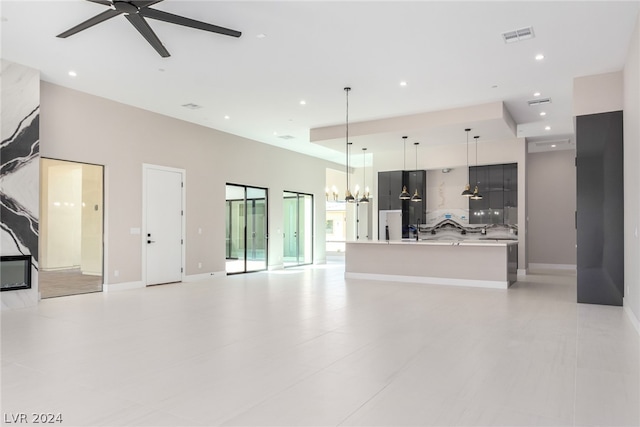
column 92, row 212
column 551, row 189
column 81, row 127
column 61, row 215
column 631, row 117
column 598, row 93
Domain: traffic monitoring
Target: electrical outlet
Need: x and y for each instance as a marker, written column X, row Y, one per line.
column 116, row 273
column 199, row 265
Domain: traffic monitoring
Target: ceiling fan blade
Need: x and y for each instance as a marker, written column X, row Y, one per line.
column 187, row 22
column 102, row 2
column 144, row 3
column 107, row 14
column 146, row 31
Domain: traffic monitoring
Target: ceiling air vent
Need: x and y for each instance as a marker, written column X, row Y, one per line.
column 541, row 101
column 518, row 35
column 192, row 106
column 286, row 137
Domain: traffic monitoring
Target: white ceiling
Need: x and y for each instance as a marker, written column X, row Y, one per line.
column 451, row 54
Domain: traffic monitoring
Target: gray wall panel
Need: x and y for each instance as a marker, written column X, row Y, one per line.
column 600, row 217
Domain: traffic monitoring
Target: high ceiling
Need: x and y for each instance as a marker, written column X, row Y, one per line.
column 450, row 54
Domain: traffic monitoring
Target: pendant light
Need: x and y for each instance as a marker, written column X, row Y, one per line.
column 467, row 189
column 348, row 196
column 416, row 196
column 476, row 194
column 365, row 196
column 405, row 194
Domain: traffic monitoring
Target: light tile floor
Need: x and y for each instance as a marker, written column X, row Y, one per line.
column 304, row 346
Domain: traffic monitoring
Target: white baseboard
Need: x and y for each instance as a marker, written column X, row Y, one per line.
column 634, row 320
column 539, row 266
column 203, row 276
column 493, row 284
column 125, row 286
column 91, row 273
column 523, row 271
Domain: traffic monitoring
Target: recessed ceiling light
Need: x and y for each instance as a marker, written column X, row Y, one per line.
column 275, row 133
column 553, row 145
column 539, row 57
column 227, row 117
column 303, row 102
column 536, row 94
column 261, row 36
column 547, row 128
column 73, row 73
column 192, row 106
column 403, row 83
column 542, row 113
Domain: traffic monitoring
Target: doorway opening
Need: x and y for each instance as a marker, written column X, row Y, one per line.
column 71, row 228
column 246, row 229
column 298, row 229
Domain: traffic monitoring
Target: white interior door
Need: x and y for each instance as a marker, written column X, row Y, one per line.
column 163, row 234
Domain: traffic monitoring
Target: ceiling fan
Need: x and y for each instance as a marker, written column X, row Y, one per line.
column 135, row 11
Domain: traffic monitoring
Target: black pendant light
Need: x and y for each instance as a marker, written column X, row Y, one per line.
column 476, row 194
column 467, row 189
column 416, row 196
column 348, row 196
column 405, row 194
column 365, row 195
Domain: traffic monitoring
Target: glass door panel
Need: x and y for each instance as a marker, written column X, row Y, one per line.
column 305, row 241
column 246, row 229
column 298, row 229
column 256, row 204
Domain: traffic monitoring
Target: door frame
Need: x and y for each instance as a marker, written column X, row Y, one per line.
column 143, row 231
column 313, row 229
column 267, row 237
column 105, row 233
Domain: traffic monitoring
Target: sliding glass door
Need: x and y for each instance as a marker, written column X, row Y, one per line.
column 246, row 229
column 298, row 228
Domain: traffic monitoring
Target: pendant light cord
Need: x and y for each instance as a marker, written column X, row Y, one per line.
column 347, row 89
column 476, row 138
column 468, row 174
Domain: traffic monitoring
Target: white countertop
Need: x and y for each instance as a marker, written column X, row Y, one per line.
column 438, row 242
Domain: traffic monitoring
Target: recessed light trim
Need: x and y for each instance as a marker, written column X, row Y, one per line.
column 542, row 113
column 403, row 83
column 72, row 73
column 539, row 57
column 303, row 102
column 553, row 145
column 536, row 94
column 547, row 128
column 226, row 117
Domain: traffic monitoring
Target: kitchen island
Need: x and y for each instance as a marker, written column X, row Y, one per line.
column 477, row 263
